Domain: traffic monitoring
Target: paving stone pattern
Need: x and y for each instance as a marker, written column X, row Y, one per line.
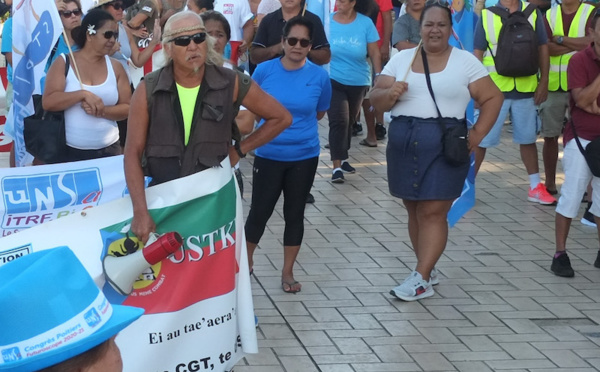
column 497, row 307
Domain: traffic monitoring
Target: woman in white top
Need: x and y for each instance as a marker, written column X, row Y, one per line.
column 418, row 171
column 94, row 94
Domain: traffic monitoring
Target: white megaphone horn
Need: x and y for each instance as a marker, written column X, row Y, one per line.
column 121, row 272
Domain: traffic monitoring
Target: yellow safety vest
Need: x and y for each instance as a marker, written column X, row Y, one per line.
column 557, row 78
column 492, row 24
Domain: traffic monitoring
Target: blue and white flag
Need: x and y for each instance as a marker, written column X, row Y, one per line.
column 464, row 21
column 36, row 28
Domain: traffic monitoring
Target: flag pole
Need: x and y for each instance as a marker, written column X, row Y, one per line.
column 419, row 46
column 72, row 57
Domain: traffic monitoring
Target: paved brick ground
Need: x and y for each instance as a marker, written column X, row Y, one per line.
column 498, row 307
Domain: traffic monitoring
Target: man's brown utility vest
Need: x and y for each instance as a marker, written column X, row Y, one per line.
column 166, row 155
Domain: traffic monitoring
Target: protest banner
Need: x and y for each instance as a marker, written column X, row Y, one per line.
column 35, row 195
column 36, row 27
column 199, row 313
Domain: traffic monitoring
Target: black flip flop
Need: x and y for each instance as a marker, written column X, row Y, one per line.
column 367, row 144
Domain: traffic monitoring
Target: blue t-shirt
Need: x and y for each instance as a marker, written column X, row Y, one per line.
column 61, row 48
column 7, row 45
column 303, row 92
column 348, row 43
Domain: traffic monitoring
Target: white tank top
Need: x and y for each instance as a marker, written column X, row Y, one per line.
column 86, row 132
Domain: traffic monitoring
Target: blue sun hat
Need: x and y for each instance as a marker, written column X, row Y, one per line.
column 52, row 311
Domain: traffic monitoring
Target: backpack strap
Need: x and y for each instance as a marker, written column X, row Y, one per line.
column 501, row 12
column 529, row 9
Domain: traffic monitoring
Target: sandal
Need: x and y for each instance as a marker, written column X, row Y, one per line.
column 290, row 285
column 365, row 143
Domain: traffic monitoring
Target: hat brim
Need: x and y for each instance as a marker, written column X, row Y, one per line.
column 126, row 4
column 121, row 317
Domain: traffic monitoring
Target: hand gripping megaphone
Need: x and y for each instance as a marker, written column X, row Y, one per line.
column 121, row 272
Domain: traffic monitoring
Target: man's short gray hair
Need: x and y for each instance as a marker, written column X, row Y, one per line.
column 212, row 57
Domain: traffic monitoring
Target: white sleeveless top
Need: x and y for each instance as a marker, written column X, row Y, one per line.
column 86, row 132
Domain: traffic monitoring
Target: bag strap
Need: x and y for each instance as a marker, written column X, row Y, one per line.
column 427, row 77
column 529, row 9
column 577, row 137
column 67, row 65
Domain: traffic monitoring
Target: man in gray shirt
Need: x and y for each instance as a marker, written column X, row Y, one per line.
column 406, row 28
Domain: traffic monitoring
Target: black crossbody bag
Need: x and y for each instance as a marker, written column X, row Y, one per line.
column 591, row 152
column 455, row 138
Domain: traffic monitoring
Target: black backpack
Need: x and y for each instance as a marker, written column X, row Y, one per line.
column 517, row 50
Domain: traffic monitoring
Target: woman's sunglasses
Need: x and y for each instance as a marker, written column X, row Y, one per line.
column 185, row 40
column 442, row 3
column 109, row 34
column 294, row 40
column 116, row 6
column 69, row 13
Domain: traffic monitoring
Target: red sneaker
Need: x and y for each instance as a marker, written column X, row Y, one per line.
column 541, row 195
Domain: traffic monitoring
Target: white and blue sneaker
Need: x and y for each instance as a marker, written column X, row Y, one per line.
column 413, row 288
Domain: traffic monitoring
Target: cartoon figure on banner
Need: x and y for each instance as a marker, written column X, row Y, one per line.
column 139, row 267
column 129, row 245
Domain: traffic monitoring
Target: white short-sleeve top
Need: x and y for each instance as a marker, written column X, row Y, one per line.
column 450, row 86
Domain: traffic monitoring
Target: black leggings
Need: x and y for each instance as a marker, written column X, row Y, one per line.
column 344, row 107
column 269, row 179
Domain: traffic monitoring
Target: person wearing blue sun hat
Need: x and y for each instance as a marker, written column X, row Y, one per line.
column 54, row 317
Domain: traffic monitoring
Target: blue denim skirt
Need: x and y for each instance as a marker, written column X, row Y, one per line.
column 417, row 169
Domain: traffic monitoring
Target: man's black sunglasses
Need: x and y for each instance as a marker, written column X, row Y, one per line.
column 69, row 13
column 294, row 40
column 185, row 40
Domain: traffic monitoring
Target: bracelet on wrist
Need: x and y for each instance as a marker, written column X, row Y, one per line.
column 236, row 146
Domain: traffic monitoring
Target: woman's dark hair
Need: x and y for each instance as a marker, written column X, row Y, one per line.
column 368, row 8
column 96, row 18
column 83, row 360
column 298, row 21
column 595, row 17
column 436, row 4
column 205, row 4
column 212, row 15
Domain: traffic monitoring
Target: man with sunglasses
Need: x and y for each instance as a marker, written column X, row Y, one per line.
column 583, row 77
column 267, row 43
column 181, row 116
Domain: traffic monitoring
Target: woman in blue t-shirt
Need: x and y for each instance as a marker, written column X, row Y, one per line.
column 289, row 162
column 353, row 38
